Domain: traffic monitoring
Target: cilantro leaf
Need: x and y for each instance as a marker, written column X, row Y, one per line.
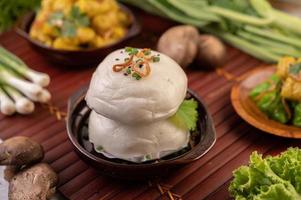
column 187, row 115
column 68, row 29
column 55, row 17
column 295, row 69
column 79, row 18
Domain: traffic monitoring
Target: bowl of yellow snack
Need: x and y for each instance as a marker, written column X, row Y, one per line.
column 78, row 32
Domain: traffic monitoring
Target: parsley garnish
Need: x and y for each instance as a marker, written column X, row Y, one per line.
column 68, row 29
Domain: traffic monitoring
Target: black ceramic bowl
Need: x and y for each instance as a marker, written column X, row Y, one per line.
column 84, row 57
column 77, row 127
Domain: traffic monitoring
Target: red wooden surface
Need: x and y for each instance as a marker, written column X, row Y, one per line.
column 207, row 178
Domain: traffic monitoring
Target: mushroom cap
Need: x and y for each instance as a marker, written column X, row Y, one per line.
column 134, row 143
column 130, row 101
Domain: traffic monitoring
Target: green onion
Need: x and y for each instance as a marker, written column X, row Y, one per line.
column 23, row 105
column 17, row 65
column 136, row 76
column 7, row 106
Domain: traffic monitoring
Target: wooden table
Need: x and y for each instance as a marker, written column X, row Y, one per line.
column 207, row 178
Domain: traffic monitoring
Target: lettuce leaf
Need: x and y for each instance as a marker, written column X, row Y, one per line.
column 270, row 178
column 187, row 115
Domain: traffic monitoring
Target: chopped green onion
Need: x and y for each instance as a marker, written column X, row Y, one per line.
column 136, row 76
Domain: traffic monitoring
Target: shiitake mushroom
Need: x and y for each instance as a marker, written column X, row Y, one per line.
column 36, row 182
column 211, row 52
column 20, row 151
column 180, row 43
column 184, row 44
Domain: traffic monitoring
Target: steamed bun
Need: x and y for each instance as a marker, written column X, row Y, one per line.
column 130, row 101
column 134, row 143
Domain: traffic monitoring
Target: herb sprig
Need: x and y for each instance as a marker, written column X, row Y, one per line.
column 68, row 24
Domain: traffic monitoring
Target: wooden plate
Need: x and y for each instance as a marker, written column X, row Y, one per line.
column 247, row 109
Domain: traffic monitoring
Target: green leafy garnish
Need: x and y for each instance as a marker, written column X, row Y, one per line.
column 55, row 17
column 295, row 69
column 79, row 18
column 68, row 29
column 187, row 115
column 270, row 178
column 67, row 25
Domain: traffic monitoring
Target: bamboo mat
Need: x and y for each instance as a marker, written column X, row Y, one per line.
column 207, row 178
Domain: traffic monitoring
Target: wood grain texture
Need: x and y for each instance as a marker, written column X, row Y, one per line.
column 207, row 178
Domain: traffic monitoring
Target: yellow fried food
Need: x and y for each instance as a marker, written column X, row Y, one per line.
column 118, row 32
column 65, row 43
column 98, row 42
column 283, row 66
column 61, row 4
column 49, row 30
column 291, row 89
column 85, row 34
column 93, row 7
column 75, row 24
column 101, row 24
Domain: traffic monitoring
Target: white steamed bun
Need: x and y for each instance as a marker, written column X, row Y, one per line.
column 130, row 101
column 133, row 142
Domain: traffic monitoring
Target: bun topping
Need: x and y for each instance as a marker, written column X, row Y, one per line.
column 137, row 64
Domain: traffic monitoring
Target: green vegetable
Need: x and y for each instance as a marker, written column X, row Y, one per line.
column 15, row 64
column 187, row 115
column 253, row 26
column 99, row 149
column 267, row 98
column 11, row 10
column 156, row 59
column 295, row 69
column 136, row 76
column 270, row 178
column 297, row 114
column 131, row 50
column 67, row 25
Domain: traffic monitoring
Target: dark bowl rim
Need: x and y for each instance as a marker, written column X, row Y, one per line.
column 211, row 137
column 26, row 21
